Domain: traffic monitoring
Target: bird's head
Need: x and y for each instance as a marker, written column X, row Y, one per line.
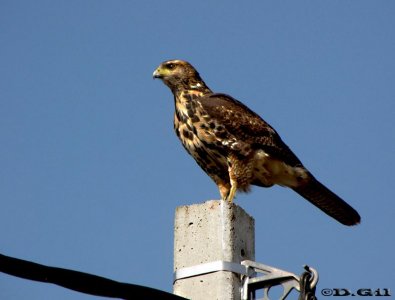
column 179, row 75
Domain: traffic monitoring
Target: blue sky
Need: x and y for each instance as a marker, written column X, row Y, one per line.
column 91, row 171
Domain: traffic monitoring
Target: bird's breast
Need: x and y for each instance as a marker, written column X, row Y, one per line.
column 191, row 127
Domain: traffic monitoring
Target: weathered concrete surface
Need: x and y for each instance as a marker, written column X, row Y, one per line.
column 207, row 232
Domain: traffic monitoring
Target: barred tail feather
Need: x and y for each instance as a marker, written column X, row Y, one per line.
column 328, row 202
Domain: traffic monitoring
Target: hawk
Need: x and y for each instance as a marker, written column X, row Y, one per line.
column 236, row 147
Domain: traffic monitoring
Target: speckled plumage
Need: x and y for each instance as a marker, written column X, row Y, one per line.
column 236, row 147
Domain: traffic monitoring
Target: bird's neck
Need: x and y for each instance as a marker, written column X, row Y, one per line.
column 191, row 85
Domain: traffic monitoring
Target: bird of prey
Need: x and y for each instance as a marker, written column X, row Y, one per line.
column 236, row 147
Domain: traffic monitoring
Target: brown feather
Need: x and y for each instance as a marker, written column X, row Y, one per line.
column 331, row 204
column 247, row 126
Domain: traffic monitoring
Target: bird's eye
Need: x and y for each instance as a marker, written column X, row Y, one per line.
column 171, row 66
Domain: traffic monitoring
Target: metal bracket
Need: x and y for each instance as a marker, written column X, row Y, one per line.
column 264, row 277
column 254, row 276
column 210, row 267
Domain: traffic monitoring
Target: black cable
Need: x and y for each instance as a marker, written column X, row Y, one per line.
column 79, row 281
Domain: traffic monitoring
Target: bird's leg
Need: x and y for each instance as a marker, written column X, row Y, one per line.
column 232, row 192
column 224, row 188
column 233, row 182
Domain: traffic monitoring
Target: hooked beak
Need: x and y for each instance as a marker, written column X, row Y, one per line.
column 157, row 74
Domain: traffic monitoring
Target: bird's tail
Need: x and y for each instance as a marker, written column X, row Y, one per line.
column 328, row 202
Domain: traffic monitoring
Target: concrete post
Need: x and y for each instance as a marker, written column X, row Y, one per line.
column 207, row 232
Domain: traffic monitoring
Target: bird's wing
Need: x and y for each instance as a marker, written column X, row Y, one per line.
column 244, row 125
